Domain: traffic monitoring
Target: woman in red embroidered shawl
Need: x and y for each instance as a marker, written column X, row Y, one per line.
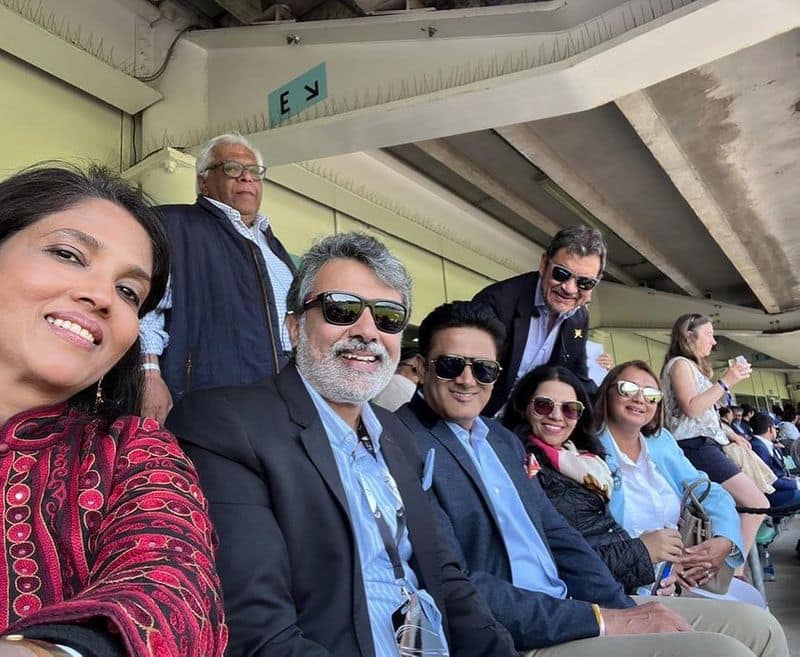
column 108, row 546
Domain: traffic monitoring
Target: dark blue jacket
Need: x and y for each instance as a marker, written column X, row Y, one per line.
column 223, row 327
column 785, row 486
column 534, row 619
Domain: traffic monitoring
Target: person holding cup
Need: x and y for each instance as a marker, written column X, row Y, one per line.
column 690, row 397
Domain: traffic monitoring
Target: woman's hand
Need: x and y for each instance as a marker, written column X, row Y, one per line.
column 739, row 371
column 663, row 545
column 701, row 562
column 739, row 440
column 16, row 646
column 667, row 586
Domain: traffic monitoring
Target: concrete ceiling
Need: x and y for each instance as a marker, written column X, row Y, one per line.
column 736, row 124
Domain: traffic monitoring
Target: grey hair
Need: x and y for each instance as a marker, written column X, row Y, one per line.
column 356, row 246
column 205, row 158
column 580, row 241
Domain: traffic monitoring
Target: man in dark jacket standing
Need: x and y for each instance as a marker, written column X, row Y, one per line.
column 544, row 313
column 541, row 579
column 221, row 320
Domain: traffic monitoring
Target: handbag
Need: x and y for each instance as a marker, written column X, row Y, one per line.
column 696, row 526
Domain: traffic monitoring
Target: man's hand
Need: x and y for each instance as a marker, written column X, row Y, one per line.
column 605, row 361
column 649, row 618
column 663, row 545
column 157, row 400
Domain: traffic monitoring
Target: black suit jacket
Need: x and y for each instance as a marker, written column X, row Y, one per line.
column 290, row 573
column 468, row 518
column 512, row 302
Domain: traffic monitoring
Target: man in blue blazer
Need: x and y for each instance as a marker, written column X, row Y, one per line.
column 787, row 487
column 539, row 576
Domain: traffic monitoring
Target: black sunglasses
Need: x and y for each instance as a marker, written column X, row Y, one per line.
column 631, row 390
column 451, row 366
column 562, row 275
column 344, row 309
column 544, row 406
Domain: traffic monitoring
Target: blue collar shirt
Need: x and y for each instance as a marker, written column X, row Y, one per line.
column 541, row 342
column 360, row 471
column 532, row 566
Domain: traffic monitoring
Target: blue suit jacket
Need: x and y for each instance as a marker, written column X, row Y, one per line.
column 534, row 619
column 785, row 486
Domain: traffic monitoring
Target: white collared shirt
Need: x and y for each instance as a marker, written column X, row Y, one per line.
column 650, row 502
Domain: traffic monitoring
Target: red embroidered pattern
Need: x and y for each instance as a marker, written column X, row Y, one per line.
column 107, row 523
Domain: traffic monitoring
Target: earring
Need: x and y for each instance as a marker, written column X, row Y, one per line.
column 98, row 398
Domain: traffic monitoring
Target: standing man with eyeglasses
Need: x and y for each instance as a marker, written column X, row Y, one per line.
column 328, row 542
column 540, row 577
column 221, row 319
column 544, row 313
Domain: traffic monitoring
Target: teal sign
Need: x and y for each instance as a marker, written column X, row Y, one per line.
column 298, row 95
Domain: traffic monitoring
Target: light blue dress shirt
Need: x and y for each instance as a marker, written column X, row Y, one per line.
column 532, row 566
column 541, row 342
column 359, row 469
column 152, row 333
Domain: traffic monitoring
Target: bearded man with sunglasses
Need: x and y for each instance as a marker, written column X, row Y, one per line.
column 221, row 319
column 544, row 313
column 540, row 577
column 328, row 543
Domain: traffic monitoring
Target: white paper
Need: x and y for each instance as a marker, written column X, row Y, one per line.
column 596, row 372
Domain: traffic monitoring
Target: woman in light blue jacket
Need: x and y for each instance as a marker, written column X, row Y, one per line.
column 651, row 470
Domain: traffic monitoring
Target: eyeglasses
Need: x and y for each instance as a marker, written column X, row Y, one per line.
column 344, row 309
column 544, row 406
column 235, row 169
column 450, row 366
column 562, row 275
column 631, row 390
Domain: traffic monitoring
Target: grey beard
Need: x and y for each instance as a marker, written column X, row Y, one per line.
column 333, row 379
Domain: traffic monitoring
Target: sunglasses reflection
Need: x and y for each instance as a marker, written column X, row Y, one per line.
column 544, row 407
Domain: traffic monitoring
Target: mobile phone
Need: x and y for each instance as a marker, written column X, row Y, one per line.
column 664, row 571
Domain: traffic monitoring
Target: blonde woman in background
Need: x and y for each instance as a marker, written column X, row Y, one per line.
column 690, row 397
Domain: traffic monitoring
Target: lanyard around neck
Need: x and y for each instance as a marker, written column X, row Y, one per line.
column 390, row 543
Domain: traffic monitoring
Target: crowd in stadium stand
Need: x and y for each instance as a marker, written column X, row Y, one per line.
column 209, row 448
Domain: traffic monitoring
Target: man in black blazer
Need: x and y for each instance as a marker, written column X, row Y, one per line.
column 496, row 518
column 301, row 472
column 544, row 313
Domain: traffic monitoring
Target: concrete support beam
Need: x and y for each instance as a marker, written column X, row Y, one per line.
column 246, row 11
column 394, row 80
column 472, row 172
column 475, row 174
column 87, row 66
column 645, row 119
column 536, row 150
